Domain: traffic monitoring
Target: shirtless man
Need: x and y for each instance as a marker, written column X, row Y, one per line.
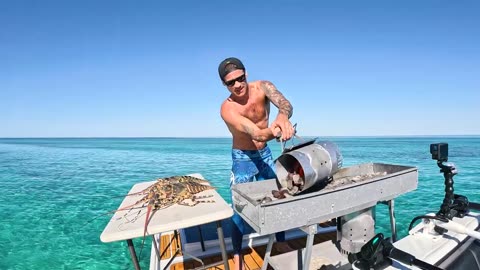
column 246, row 112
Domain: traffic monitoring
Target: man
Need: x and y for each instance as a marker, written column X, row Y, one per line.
column 246, row 114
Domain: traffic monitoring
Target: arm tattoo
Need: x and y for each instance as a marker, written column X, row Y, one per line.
column 277, row 98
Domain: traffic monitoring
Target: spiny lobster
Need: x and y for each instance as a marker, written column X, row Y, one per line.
column 163, row 193
column 167, row 192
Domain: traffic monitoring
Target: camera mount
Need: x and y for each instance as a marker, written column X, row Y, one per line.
column 453, row 205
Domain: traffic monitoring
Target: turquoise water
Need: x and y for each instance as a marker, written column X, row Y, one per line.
column 52, row 188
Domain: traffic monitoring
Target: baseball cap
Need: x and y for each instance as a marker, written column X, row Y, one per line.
column 222, row 68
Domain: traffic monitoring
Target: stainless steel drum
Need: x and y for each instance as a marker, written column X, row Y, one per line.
column 307, row 164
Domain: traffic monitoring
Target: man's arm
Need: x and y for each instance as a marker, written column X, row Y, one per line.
column 277, row 98
column 285, row 109
column 238, row 123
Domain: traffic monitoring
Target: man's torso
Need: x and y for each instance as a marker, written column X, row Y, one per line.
column 257, row 109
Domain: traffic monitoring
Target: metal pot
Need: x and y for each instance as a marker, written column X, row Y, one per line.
column 307, row 164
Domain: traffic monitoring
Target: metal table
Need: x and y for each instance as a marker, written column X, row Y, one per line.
column 127, row 225
column 346, row 193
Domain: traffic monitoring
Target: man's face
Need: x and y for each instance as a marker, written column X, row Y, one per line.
column 236, row 82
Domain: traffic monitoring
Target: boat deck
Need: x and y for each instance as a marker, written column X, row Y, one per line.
column 253, row 257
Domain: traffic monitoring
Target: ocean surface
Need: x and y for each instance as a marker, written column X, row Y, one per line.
column 54, row 191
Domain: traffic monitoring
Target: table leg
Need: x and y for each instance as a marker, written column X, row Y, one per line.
column 156, row 246
column 312, row 229
column 393, row 224
column 131, row 248
column 267, row 252
column 222, row 245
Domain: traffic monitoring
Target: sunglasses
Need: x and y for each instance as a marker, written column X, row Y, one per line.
column 232, row 82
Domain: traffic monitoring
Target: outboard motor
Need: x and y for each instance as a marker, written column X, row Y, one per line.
column 307, row 164
column 355, row 229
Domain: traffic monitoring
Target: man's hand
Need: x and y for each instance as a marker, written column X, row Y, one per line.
column 277, row 132
column 285, row 126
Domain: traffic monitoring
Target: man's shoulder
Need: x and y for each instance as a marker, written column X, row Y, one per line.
column 257, row 82
column 227, row 106
column 260, row 84
column 227, row 102
column 229, row 112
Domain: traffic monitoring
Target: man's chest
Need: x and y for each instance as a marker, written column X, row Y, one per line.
column 256, row 111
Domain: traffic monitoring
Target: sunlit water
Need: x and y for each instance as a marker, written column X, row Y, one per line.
column 52, row 189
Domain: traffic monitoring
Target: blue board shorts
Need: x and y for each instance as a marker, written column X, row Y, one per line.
column 248, row 166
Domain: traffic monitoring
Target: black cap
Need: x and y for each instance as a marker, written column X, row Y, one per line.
column 222, row 68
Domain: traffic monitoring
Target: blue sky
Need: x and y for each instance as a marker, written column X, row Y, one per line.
column 149, row 68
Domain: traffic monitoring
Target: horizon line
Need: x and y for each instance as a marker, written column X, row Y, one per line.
column 229, row 137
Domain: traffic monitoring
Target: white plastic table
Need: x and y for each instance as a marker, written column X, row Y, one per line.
column 129, row 224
